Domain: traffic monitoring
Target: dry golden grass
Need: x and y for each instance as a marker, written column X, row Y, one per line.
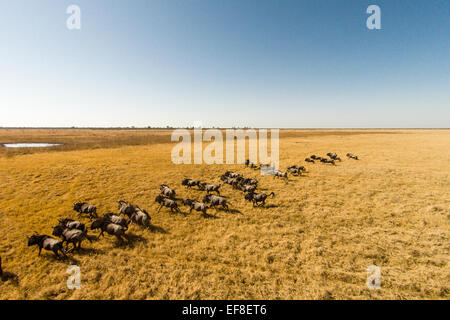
column 391, row 208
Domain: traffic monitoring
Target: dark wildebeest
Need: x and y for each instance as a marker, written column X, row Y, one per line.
column 136, row 214
column 72, row 224
column 253, row 166
column 352, row 156
column 166, row 202
column 247, row 162
column 246, row 187
column 333, row 156
column 331, row 161
column 232, row 174
column 111, row 228
column 280, row 174
column 166, row 191
column 190, row 183
column 309, row 160
column 115, row 218
column 294, row 171
column 250, row 181
column 313, row 156
column 47, row 243
column 1, row 270
column 141, row 217
column 73, row 236
column 216, row 200
column 195, row 205
column 85, row 208
column 209, row 187
column 258, row 197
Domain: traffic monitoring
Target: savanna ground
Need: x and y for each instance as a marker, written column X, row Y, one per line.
column 315, row 239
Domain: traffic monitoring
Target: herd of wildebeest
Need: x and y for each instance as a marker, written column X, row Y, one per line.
column 74, row 232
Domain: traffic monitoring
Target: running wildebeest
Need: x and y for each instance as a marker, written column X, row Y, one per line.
column 232, row 174
column 166, row 191
column 136, row 214
column 216, row 201
column 280, row 174
column 309, row 160
column 324, row 160
column 47, row 243
column 141, row 217
column 246, row 187
column 209, row 187
column 250, row 181
column 73, row 236
column 352, row 156
column 258, row 197
column 166, row 202
column 253, row 166
column 190, row 183
column 111, row 228
column 333, row 156
column 195, row 205
column 85, row 208
column 72, row 224
column 294, row 171
column 115, row 218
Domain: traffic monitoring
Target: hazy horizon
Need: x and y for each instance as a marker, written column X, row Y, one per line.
column 261, row 64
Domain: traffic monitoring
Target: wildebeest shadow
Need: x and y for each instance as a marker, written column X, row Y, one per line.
column 157, row 229
column 9, row 276
column 132, row 239
column 269, row 206
column 87, row 251
column 209, row 216
column 234, row 211
column 61, row 258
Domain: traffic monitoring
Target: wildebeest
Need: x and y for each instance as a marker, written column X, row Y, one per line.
column 85, row 208
column 141, row 217
column 72, row 224
column 136, row 214
column 195, row 205
column 166, row 202
column 209, row 187
column 253, row 166
column 313, row 156
column 231, row 181
column 294, row 171
column 216, row 201
column 73, row 236
column 166, row 191
column 352, row 156
column 232, row 174
column 190, row 183
column 250, row 181
column 46, row 242
column 324, row 160
column 247, row 162
column 111, row 228
column 333, row 156
column 1, row 270
column 115, row 218
column 280, row 174
column 258, row 197
column 246, row 187
column 309, row 160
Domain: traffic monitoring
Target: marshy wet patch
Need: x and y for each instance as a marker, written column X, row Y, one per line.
column 30, row 145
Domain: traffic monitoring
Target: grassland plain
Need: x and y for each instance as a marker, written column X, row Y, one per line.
column 315, row 240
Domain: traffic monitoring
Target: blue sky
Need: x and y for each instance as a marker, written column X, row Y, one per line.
column 225, row 63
